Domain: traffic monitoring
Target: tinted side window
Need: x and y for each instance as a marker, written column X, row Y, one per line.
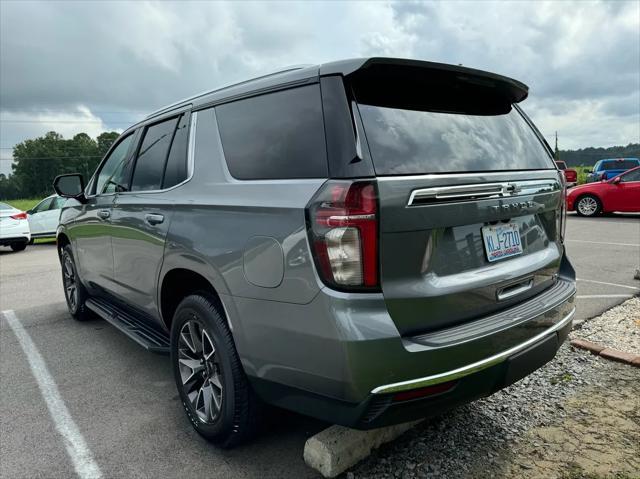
column 631, row 176
column 42, row 206
column 277, row 135
column 176, row 170
column 57, row 203
column 112, row 175
column 153, row 155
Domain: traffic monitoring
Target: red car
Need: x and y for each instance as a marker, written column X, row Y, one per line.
column 570, row 175
column 620, row 193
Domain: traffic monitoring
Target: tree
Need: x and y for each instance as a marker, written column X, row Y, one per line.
column 38, row 161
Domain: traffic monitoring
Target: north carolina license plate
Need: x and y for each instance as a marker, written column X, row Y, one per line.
column 501, row 241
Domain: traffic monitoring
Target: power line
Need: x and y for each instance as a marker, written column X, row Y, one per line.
column 70, row 121
column 53, row 157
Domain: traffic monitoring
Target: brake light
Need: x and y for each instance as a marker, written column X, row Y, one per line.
column 19, row 216
column 343, row 231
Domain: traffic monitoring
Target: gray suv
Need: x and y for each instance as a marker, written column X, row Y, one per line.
column 366, row 241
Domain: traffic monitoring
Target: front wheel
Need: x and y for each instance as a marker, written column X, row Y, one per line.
column 74, row 292
column 213, row 387
column 588, row 205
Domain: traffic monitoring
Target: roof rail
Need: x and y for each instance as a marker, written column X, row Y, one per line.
column 231, row 85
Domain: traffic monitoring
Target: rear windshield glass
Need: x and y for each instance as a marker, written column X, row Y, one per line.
column 417, row 142
column 4, row 206
column 619, row 165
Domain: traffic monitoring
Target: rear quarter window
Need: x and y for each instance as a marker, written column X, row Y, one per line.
column 404, row 141
column 274, row 136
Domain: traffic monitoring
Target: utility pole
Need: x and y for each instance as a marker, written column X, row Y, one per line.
column 556, row 154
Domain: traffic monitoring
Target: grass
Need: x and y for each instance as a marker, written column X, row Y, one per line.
column 27, row 204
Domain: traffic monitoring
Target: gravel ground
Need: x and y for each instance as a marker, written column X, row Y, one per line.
column 618, row 328
column 530, row 428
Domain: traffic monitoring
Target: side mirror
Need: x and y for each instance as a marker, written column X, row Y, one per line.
column 70, row 186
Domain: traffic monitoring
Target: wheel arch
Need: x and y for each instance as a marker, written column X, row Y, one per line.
column 177, row 284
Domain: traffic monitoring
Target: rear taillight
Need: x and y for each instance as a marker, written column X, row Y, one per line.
column 343, row 231
column 19, row 216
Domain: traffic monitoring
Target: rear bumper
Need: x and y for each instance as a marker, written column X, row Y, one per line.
column 352, row 366
column 14, row 239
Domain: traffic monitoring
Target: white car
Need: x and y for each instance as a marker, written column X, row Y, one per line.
column 14, row 228
column 44, row 217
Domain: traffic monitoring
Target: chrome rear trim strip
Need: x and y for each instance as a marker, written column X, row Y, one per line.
column 479, row 191
column 473, row 367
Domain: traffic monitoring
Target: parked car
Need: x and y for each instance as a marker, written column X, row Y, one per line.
column 621, row 193
column 43, row 218
column 607, row 169
column 344, row 240
column 570, row 175
column 14, row 228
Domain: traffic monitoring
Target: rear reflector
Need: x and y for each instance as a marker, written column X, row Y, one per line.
column 343, row 231
column 19, row 216
column 424, row 392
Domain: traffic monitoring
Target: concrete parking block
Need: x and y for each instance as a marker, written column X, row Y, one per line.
column 337, row 448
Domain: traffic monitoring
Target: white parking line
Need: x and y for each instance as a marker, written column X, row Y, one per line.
column 77, row 448
column 637, row 245
column 593, row 296
column 608, row 284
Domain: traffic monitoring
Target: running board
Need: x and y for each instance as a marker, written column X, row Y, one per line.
column 141, row 331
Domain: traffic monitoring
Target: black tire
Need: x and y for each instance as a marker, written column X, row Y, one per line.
column 18, row 246
column 32, row 240
column 73, row 286
column 588, row 205
column 236, row 405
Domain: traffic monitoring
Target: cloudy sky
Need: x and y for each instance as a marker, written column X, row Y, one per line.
column 101, row 65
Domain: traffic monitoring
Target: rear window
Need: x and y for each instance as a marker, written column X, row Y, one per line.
column 274, row 136
column 4, row 206
column 404, row 141
column 619, row 165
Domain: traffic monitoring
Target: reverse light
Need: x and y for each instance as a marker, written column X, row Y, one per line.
column 19, row 216
column 343, row 231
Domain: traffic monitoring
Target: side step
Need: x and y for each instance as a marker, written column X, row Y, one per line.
column 141, row 331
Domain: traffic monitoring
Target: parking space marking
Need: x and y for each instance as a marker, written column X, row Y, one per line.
column 594, row 296
column 637, row 245
column 608, row 284
column 76, row 446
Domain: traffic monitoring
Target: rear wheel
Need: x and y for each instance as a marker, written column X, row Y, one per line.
column 18, row 246
column 74, row 292
column 213, row 387
column 588, row 205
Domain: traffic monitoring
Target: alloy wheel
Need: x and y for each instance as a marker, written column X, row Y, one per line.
column 70, row 285
column 587, row 206
column 200, row 370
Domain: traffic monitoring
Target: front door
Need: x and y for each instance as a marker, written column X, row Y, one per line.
column 91, row 231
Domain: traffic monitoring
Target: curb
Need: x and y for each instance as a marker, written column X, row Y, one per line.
column 607, row 353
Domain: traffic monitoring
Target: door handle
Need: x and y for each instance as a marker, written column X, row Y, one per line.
column 154, row 218
column 104, row 214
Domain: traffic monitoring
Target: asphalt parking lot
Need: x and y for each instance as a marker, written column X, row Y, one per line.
column 123, row 400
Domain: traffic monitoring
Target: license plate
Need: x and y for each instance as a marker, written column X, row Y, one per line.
column 501, row 241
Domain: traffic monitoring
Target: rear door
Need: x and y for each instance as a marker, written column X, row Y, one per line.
column 141, row 216
column 37, row 217
column 470, row 203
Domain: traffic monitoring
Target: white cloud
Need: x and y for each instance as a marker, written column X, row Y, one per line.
column 580, row 59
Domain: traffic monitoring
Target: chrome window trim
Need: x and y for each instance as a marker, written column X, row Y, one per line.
column 473, row 367
column 190, row 161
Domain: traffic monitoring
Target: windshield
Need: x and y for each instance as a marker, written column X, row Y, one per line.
column 4, row 206
column 417, row 142
column 619, row 165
